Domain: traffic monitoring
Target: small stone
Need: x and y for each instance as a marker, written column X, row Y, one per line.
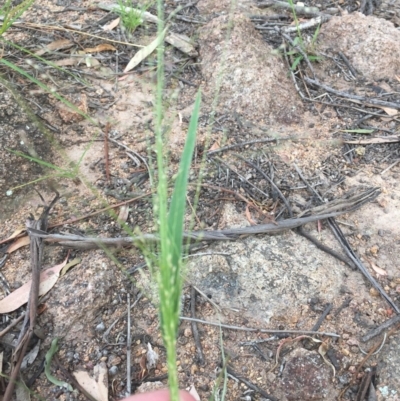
column 194, row 369
column 374, row 292
column 344, row 379
column 114, row 360
column 374, row 250
column 113, row 370
column 187, row 332
column 354, row 349
column 70, row 356
column 271, row 377
column 100, row 327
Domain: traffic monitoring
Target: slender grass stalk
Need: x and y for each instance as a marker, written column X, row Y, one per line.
column 46, row 88
column 48, row 63
column 11, row 13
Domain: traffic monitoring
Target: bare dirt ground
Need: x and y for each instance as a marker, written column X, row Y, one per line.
column 258, row 121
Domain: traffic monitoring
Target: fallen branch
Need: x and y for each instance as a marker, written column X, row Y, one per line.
column 379, row 139
column 336, row 208
column 308, row 24
column 366, row 101
column 28, row 325
column 298, row 9
column 337, row 232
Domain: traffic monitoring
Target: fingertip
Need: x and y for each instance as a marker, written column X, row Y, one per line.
column 160, row 395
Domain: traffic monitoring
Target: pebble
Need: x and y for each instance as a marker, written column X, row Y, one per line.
column 344, row 379
column 100, row 327
column 113, row 370
column 194, row 369
column 354, row 349
column 271, row 377
column 70, row 356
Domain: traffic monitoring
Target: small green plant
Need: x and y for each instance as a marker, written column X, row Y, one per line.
column 59, row 172
column 171, row 250
column 10, row 13
column 131, row 17
column 301, row 48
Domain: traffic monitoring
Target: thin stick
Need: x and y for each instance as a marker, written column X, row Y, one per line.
column 250, row 384
column 317, row 325
column 390, row 167
column 70, row 221
column 128, row 350
column 106, row 158
column 225, row 326
column 10, row 326
column 308, row 24
column 242, row 178
column 129, row 150
column 362, row 99
column 299, row 49
column 195, row 331
column 378, row 330
column 242, row 144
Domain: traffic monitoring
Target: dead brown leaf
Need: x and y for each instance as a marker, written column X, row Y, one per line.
column 377, row 269
column 113, row 24
column 214, row 146
column 123, row 214
column 104, row 47
column 322, row 350
column 248, row 216
column 66, row 62
column 54, row 46
column 19, row 243
column 20, row 296
column 389, row 111
column 96, row 386
column 15, row 234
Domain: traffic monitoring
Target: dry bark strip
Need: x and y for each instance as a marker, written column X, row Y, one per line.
column 346, row 204
column 366, row 101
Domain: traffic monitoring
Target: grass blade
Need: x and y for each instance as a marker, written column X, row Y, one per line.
column 178, row 203
column 171, row 234
column 358, row 131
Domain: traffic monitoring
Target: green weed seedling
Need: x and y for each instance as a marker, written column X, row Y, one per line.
column 59, row 172
column 131, row 17
column 10, row 13
column 299, row 42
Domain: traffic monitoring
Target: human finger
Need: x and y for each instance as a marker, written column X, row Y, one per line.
column 161, row 395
